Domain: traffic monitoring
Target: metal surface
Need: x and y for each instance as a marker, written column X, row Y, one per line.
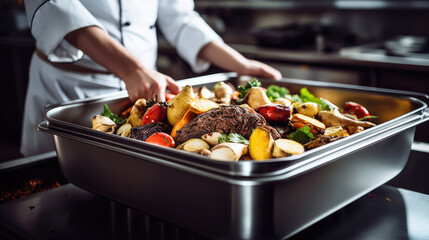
column 273, row 199
column 70, row 213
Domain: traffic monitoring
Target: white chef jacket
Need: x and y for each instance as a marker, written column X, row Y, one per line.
column 130, row 22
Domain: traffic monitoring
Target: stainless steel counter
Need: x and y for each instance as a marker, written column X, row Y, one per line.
column 338, row 59
column 69, row 212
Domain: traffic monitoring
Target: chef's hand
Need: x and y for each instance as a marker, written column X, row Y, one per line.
column 223, row 56
column 141, row 82
column 256, row 68
column 146, row 83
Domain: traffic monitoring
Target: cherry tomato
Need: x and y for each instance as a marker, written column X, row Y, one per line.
column 355, row 109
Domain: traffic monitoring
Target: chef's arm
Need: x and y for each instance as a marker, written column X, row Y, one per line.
column 139, row 80
column 225, row 57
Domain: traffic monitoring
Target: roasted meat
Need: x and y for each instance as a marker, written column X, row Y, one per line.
column 224, row 119
column 146, row 130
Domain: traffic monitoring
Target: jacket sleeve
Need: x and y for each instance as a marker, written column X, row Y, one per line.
column 51, row 21
column 185, row 30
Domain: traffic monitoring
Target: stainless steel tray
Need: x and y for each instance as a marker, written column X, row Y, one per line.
column 273, row 199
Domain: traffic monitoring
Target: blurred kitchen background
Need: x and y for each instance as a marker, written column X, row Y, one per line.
column 380, row 43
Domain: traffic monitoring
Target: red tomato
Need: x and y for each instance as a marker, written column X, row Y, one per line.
column 275, row 113
column 154, row 114
column 162, row 139
column 169, row 96
column 355, row 109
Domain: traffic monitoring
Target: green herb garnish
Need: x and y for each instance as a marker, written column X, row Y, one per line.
column 243, row 90
column 302, row 135
column 233, row 137
column 367, row 118
column 114, row 117
column 273, row 92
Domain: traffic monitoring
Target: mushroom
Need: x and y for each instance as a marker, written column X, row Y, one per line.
column 229, row 151
column 103, row 124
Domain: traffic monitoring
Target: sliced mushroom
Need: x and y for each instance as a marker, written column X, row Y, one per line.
column 229, row 151
column 103, row 124
column 212, row 138
column 124, row 130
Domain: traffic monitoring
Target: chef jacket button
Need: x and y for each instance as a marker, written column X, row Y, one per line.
column 126, row 24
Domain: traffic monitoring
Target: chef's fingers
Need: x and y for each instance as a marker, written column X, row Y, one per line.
column 172, row 86
column 268, row 71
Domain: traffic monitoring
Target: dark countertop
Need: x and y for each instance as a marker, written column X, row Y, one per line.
column 69, row 212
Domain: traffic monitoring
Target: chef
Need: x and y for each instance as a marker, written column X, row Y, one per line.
column 85, row 48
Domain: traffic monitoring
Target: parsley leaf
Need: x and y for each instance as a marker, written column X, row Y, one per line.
column 233, row 137
column 114, row 117
column 243, row 90
column 273, row 92
column 302, row 135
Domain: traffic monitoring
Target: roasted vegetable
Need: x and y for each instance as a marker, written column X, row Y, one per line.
column 193, row 145
column 256, row 97
column 137, row 112
column 286, row 147
column 309, row 109
column 113, row 116
column 299, row 121
column 355, row 109
column 275, row 113
column 320, row 141
column 202, row 105
column 186, row 117
column 124, row 130
column 334, row 131
column 223, row 90
column 229, row 151
column 154, row 114
column 335, row 118
column 212, row 138
column 243, row 90
column 302, row 135
column 179, row 104
column 206, row 93
column 261, row 144
column 169, row 96
column 283, row 101
column 103, row 124
column 162, row 139
column 274, row 92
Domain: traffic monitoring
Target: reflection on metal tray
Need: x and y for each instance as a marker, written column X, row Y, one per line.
column 273, row 199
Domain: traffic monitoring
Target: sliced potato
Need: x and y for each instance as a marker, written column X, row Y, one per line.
column 286, row 147
column 256, row 97
column 309, row 109
column 229, row 151
column 194, row 145
column 283, row 101
column 299, row 121
column 212, row 138
column 206, row 93
column 334, row 131
column 261, row 144
column 202, row 105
